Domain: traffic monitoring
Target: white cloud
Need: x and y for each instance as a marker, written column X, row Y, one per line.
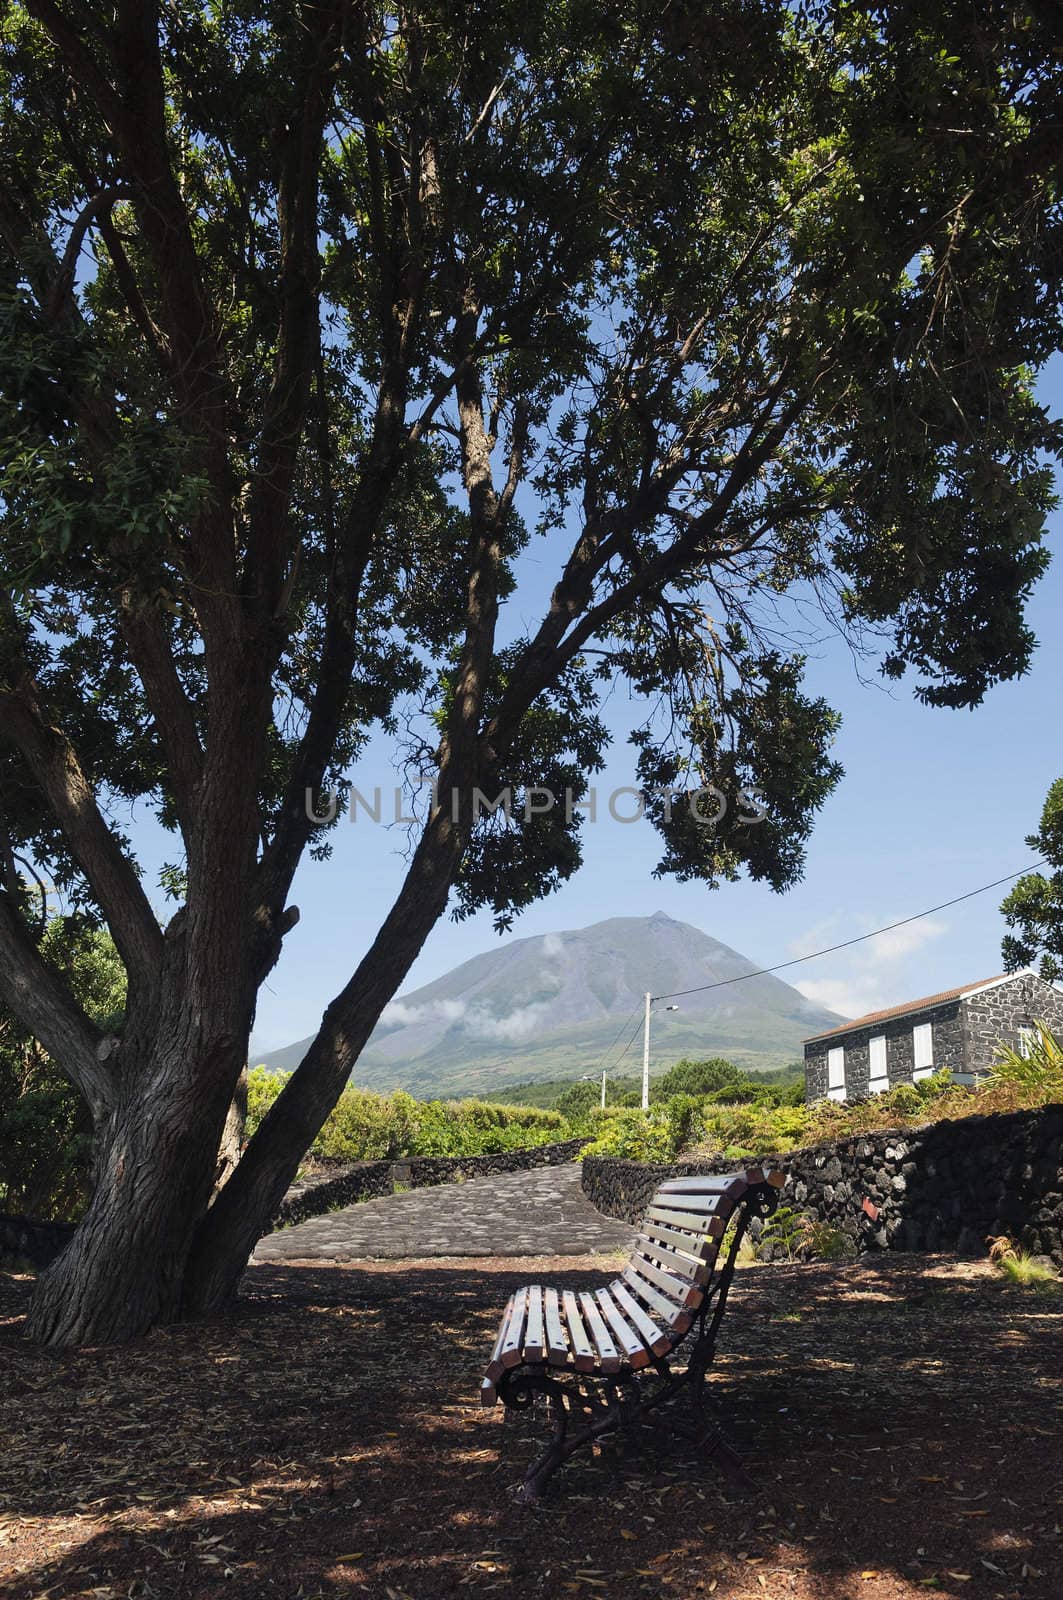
column 875, row 974
column 519, row 1024
column 397, row 1014
column 553, row 944
column 900, row 942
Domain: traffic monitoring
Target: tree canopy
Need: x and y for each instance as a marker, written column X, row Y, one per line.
column 1034, row 907
column 323, row 327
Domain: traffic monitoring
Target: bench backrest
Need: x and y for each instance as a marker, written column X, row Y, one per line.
column 679, row 1239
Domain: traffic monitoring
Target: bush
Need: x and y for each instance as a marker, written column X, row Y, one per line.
column 1040, row 1072
column 635, row 1135
column 694, row 1078
column 263, row 1087
column 368, row 1127
column 364, row 1126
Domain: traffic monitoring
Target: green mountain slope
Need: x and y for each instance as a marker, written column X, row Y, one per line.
column 559, row 1005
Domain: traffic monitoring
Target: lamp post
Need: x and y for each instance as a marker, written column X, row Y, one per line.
column 646, row 1051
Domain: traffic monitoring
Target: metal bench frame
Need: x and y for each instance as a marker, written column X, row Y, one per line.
column 585, row 1406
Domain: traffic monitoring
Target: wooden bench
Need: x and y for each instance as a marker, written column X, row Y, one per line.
column 603, row 1359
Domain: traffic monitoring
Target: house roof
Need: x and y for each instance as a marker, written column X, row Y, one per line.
column 924, row 1004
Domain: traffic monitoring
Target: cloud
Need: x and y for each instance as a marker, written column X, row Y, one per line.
column 553, row 944
column 480, row 1024
column 397, row 1014
column 872, row 975
column 519, row 1024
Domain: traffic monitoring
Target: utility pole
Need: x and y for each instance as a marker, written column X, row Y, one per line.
column 646, row 1056
column 603, row 1088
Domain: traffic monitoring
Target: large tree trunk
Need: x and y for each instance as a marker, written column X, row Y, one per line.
column 156, row 1159
column 160, row 1239
column 242, row 1209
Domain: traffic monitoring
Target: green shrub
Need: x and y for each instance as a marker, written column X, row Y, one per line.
column 364, row 1126
column 697, row 1078
column 1039, row 1072
column 635, row 1135
column 478, row 1127
column 368, row 1127
column 685, row 1120
column 785, row 1233
column 263, row 1087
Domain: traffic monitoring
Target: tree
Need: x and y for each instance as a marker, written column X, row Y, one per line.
column 695, row 1077
column 318, row 322
column 1034, row 907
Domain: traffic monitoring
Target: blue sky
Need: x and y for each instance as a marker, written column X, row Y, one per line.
column 933, row 803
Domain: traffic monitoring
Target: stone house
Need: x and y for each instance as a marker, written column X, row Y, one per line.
column 958, row 1029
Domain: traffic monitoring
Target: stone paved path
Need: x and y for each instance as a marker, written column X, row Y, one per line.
column 538, row 1213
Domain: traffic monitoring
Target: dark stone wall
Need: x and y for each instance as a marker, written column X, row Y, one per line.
column 24, row 1242
column 422, row 1171
column 944, row 1186
column 900, row 1050
column 347, row 1184
column 998, row 1014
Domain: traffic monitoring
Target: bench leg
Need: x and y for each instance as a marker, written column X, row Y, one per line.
column 707, row 1438
column 520, row 1392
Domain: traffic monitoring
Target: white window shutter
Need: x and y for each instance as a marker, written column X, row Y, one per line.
column 879, row 1070
column 836, row 1073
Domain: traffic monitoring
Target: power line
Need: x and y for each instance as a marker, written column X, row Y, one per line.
column 627, row 1047
column 780, row 966
column 631, row 1039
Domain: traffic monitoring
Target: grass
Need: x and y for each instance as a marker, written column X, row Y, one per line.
column 1021, row 1266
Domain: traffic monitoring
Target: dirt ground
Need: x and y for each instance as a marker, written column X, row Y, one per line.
column 901, row 1415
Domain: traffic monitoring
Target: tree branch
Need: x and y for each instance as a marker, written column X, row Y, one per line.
column 37, row 995
column 99, row 206
column 151, row 655
column 55, row 767
column 289, row 393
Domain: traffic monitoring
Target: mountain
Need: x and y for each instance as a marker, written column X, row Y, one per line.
column 561, row 1004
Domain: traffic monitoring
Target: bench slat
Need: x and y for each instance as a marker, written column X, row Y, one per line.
column 583, row 1356
column 495, row 1367
column 556, row 1344
column 673, row 1316
column 682, row 1291
column 608, row 1357
column 511, row 1345
column 706, row 1205
column 695, row 1244
column 488, row 1393
column 683, row 1266
column 630, row 1342
column 730, row 1185
column 659, row 1341
column 533, row 1335
column 686, row 1219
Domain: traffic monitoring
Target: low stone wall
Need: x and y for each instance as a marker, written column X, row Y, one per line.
column 422, row 1171
column 25, row 1242
column 344, row 1185
column 341, row 1184
column 944, row 1186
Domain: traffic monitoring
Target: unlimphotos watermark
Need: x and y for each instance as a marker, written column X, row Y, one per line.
column 707, row 805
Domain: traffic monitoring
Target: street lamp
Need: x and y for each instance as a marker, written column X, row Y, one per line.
column 592, row 1077
column 646, row 1052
